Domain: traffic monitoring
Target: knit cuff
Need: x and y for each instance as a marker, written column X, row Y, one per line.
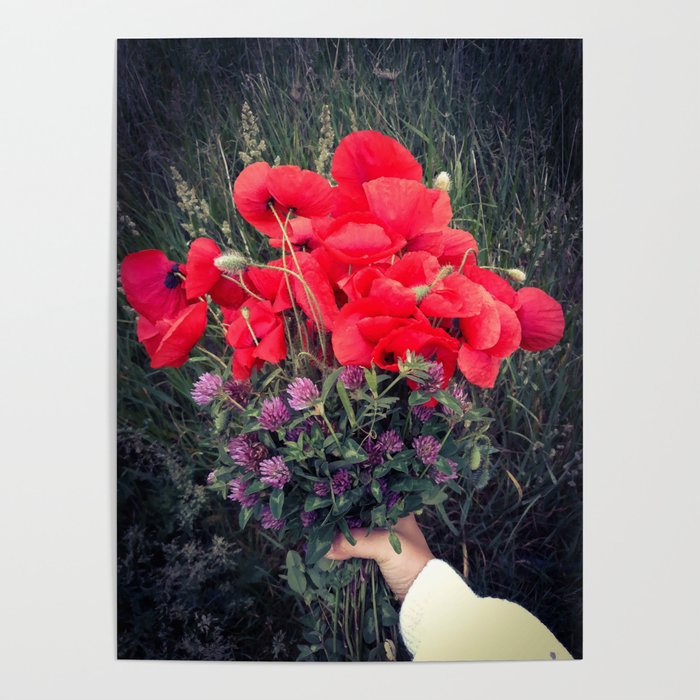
column 436, row 583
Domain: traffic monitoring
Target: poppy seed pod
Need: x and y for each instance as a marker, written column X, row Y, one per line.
column 232, row 261
column 516, row 275
column 442, row 181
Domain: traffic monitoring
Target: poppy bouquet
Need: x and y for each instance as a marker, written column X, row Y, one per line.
column 343, row 367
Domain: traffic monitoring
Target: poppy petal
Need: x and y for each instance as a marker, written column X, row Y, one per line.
column 366, row 155
column 183, row 334
column 202, row 274
column 403, row 206
column 478, row 367
column 483, row 330
column 541, row 319
column 456, row 243
column 510, row 336
column 308, row 193
column 273, row 346
column 496, row 285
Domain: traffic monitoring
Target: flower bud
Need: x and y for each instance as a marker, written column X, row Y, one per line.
column 443, row 272
column 442, row 181
column 232, row 261
column 516, row 275
column 245, row 312
column 422, row 291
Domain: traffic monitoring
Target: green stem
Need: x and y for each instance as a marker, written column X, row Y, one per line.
column 213, row 356
column 322, row 413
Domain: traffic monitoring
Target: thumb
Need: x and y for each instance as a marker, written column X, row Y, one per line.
column 370, row 545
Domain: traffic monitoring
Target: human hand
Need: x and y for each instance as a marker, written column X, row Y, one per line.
column 399, row 570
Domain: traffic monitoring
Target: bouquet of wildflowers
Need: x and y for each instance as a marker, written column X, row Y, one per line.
column 342, row 365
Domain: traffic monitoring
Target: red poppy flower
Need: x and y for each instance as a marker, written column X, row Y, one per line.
column 359, row 239
column 364, row 156
column 360, row 324
column 152, row 284
column 421, row 338
column 286, row 188
column 170, row 341
column 203, row 277
column 491, row 335
column 541, row 319
column 268, row 344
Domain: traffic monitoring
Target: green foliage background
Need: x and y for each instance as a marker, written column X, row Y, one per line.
column 504, row 119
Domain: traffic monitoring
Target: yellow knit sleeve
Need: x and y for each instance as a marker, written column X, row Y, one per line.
column 442, row 619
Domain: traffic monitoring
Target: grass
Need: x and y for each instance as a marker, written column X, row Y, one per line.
column 504, row 119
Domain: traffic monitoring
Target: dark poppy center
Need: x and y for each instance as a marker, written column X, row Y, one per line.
column 171, row 279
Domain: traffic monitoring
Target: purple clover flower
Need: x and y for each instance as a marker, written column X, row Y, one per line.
column 211, row 478
column 390, row 441
column 273, row 414
column 303, row 393
column 352, row 377
column 423, row 413
column 307, row 427
column 269, row 521
column 236, row 492
column 427, row 449
column 341, row 482
column 375, row 453
column 246, row 451
column 321, row 488
column 354, row 522
column 274, row 472
column 439, row 477
column 237, row 391
column 206, row 388
column 308, row 518
column 435, row 379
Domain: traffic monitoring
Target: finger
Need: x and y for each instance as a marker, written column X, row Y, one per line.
column 373, row 545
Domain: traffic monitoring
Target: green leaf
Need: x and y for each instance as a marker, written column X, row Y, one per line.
column 418, row 397
column 294, row 560
column 447, row 399
column 369, row 633
column 352, row 452
column 371, row 377
column 319, row 543
column 395, row 542
column 376, row 490
column 295, row 573
column 244, row 516
column 343, row 526
column 345, row 400
column 435, row 498
column 446, row 519
column 389, row 616
column 314, row 502
column 443, row 466
column 277, row 503
column 329, row 382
